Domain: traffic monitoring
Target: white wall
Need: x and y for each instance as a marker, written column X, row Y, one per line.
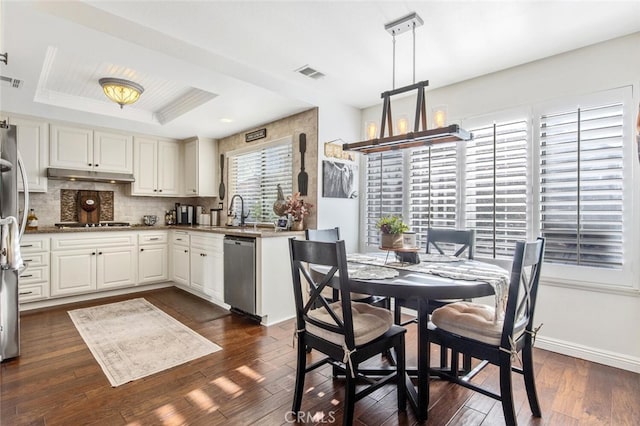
column 338, row 122
column 600, row 326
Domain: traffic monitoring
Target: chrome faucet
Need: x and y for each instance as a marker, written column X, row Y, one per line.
column 242, row 215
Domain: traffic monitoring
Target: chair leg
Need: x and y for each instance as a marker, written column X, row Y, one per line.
column 349, row 398
column 529, row 379
column 443, row 356
column 300, row 373
column 401, row 373
column 506, row 390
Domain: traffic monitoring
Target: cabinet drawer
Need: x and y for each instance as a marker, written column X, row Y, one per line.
column 30, row 244
column 92, row 241
column 34, row 274
column 180, row 238
column 152, row 238
column 33, row 292
column 35, row 259
column 207, row 241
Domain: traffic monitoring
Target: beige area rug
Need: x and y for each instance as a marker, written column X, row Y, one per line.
column 134, row 339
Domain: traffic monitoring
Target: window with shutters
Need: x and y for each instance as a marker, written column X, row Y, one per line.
column 433, row 178
column 384, row 191
column 255, row 176
column 582, row 186
column 496, row 187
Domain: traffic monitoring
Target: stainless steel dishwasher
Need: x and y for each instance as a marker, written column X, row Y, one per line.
column 240, row 273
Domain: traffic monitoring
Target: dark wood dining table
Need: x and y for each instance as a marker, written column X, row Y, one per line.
column 422, row 287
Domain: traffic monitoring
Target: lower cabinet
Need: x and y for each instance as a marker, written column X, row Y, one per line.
column 82, row 265
column 206, row 265
column 34, row 280
column 153, row 256
column 180, row 257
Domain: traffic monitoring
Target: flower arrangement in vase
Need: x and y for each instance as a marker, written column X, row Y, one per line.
column 391, row 229
column 298, row 209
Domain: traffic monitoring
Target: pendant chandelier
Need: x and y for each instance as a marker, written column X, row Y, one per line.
column 420, row 136
column 122, row 92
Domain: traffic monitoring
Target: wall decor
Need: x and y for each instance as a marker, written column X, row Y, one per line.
column 339, row 179
column 333, row 149
column 69, row 205
column 255, row 135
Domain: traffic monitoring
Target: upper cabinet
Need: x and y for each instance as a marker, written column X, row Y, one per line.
column 201, row 167
column 33, row 144
column 156, row 167
column 84, row 149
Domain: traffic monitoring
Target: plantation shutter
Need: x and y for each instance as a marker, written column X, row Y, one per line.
column 581, row 184
column 432, row 191
column 384, row 191
column 255, row 175
column 496, row 187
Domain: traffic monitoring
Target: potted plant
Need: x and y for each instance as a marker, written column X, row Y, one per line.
column 298, row 209
column 391, row 229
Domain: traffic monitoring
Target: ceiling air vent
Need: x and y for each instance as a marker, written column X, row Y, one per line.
column 310, row 72
column 10, row 82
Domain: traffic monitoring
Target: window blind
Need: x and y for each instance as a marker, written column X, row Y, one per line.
column 581, row 186
column 384, row 191
column 255, row 175
column 432, row 192
column 496, row 187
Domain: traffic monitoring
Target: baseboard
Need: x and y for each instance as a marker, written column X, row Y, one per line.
column 600, row 356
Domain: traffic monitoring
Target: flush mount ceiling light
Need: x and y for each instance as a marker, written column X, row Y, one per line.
column 421, row 136
column 122, row 92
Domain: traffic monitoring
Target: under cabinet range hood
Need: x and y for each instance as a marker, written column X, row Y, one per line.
column 89, row 176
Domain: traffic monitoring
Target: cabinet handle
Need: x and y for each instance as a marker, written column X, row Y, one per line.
column 27, row 260
column 96, row 165
column 23, row 293
column 154, row 239
column 193, row 190
column 26, row 245
column 155, row 190
column 178, row 239
column 90, row 164
column 99, row 252
column 141, row 249
column 186, row 251
column 26, row 276
column 159, row 190
column 93, row 254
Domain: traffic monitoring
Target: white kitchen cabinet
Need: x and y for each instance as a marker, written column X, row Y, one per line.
column 201, row 168
column 34, row 280
column 180, row 257
column 81, row 148
column 206, row 265
column 153, row 254
column 33, row 144
column 86, row 263
column 112, row 152
column 156, row 167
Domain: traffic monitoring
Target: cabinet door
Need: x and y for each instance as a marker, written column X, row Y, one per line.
column 33, row 144
column 73, row 272
column 71, row 148
column 168, row 168
column 180, row 265
column 145, row 171
column 152, row 264
column 113, row 152
column 191, row 168
column 116, row 267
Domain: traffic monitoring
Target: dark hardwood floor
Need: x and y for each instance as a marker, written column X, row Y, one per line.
column 56, row 381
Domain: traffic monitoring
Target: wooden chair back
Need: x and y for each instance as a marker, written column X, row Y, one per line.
column 437, row 238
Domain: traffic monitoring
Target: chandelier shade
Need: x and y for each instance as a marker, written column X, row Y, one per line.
column 123, row 92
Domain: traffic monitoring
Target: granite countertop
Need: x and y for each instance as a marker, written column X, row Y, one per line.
column 248, row 231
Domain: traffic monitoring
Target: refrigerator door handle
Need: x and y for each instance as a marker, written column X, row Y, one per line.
column 25, row 186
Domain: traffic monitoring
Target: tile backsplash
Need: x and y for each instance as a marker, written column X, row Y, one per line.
column 126, row 208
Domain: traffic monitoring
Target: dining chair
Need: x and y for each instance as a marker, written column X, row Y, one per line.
column 442, row 241
column 347, row 332
column 330, row 235
column 479, row 331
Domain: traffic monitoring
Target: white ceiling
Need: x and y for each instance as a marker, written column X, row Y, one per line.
column 214, row 68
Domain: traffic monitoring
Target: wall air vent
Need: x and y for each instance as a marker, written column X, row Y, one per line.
column 10, row 82
column 310, row 72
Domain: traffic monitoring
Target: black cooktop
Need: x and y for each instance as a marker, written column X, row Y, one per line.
column 92, row 225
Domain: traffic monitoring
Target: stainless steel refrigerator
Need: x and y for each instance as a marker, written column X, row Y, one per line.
column 11, row 169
